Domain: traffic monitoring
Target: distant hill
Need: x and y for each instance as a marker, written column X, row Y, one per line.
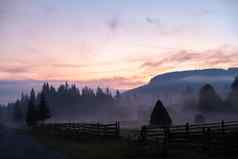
column 179, row 91
column 192, row 79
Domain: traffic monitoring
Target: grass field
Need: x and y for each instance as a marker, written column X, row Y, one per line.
column 114, row 149
column 89, row 149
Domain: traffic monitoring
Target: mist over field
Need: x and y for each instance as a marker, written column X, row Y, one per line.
column 179, row 91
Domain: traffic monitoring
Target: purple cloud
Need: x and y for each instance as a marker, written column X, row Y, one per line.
column 208, row 58
column 14, row 69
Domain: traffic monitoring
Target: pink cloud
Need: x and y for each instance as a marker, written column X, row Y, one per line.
column 14, row 69
column 211, row 58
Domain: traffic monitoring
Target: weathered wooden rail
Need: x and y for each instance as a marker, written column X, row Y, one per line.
column 77, row 130
column 221, row 136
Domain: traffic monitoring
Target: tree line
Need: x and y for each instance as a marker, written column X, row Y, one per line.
column 210, row 101
column 36, row 112
column 69, row 102
column 65, row 102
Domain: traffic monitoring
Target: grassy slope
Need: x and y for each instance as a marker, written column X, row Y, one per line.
column 110, row 149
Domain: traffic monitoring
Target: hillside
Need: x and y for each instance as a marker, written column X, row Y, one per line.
column 194, row 79
column 179, row 91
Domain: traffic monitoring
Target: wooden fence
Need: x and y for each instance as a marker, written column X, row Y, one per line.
column 79, row 129
column 217, row 136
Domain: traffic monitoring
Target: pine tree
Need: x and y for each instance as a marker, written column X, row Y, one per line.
column 99, row 92
column 118, row 94
column 17, row 112
column 43, row 109
column 209, row 100
column 31, row 115
column 234, row 85
column 232, row 99
column 1, row 112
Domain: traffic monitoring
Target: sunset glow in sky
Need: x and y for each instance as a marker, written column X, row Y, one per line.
column 119, row 43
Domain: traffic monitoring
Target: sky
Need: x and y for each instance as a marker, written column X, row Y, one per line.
column 120, row 44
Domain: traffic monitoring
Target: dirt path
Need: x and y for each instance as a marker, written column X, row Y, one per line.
column 19, row 146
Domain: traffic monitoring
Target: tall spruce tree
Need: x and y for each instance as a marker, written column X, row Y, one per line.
column 234, row 85
column 31, row 115
column 17, row 112
column 1, row 112
column 43, row 109
column 118, row 94
column 232, row 99
column 209, row 100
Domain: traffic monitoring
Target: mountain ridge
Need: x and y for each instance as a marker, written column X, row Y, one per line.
column 195, row 78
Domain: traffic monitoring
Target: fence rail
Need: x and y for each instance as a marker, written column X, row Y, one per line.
column 79, row 129
column 222, row 135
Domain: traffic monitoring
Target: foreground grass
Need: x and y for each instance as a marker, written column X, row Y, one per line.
column 113, row 149
column 91, row 149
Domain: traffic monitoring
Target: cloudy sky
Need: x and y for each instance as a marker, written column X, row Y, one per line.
column 120, row 44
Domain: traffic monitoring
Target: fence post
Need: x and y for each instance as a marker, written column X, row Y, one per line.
column 98, row 129
column 165, row 142
column 187, row 130
column 222, row 128
column 117, row 128
column 143, row 133
column 204, row 138
column 104, row 131
column 168, row 132
column 208, row 138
